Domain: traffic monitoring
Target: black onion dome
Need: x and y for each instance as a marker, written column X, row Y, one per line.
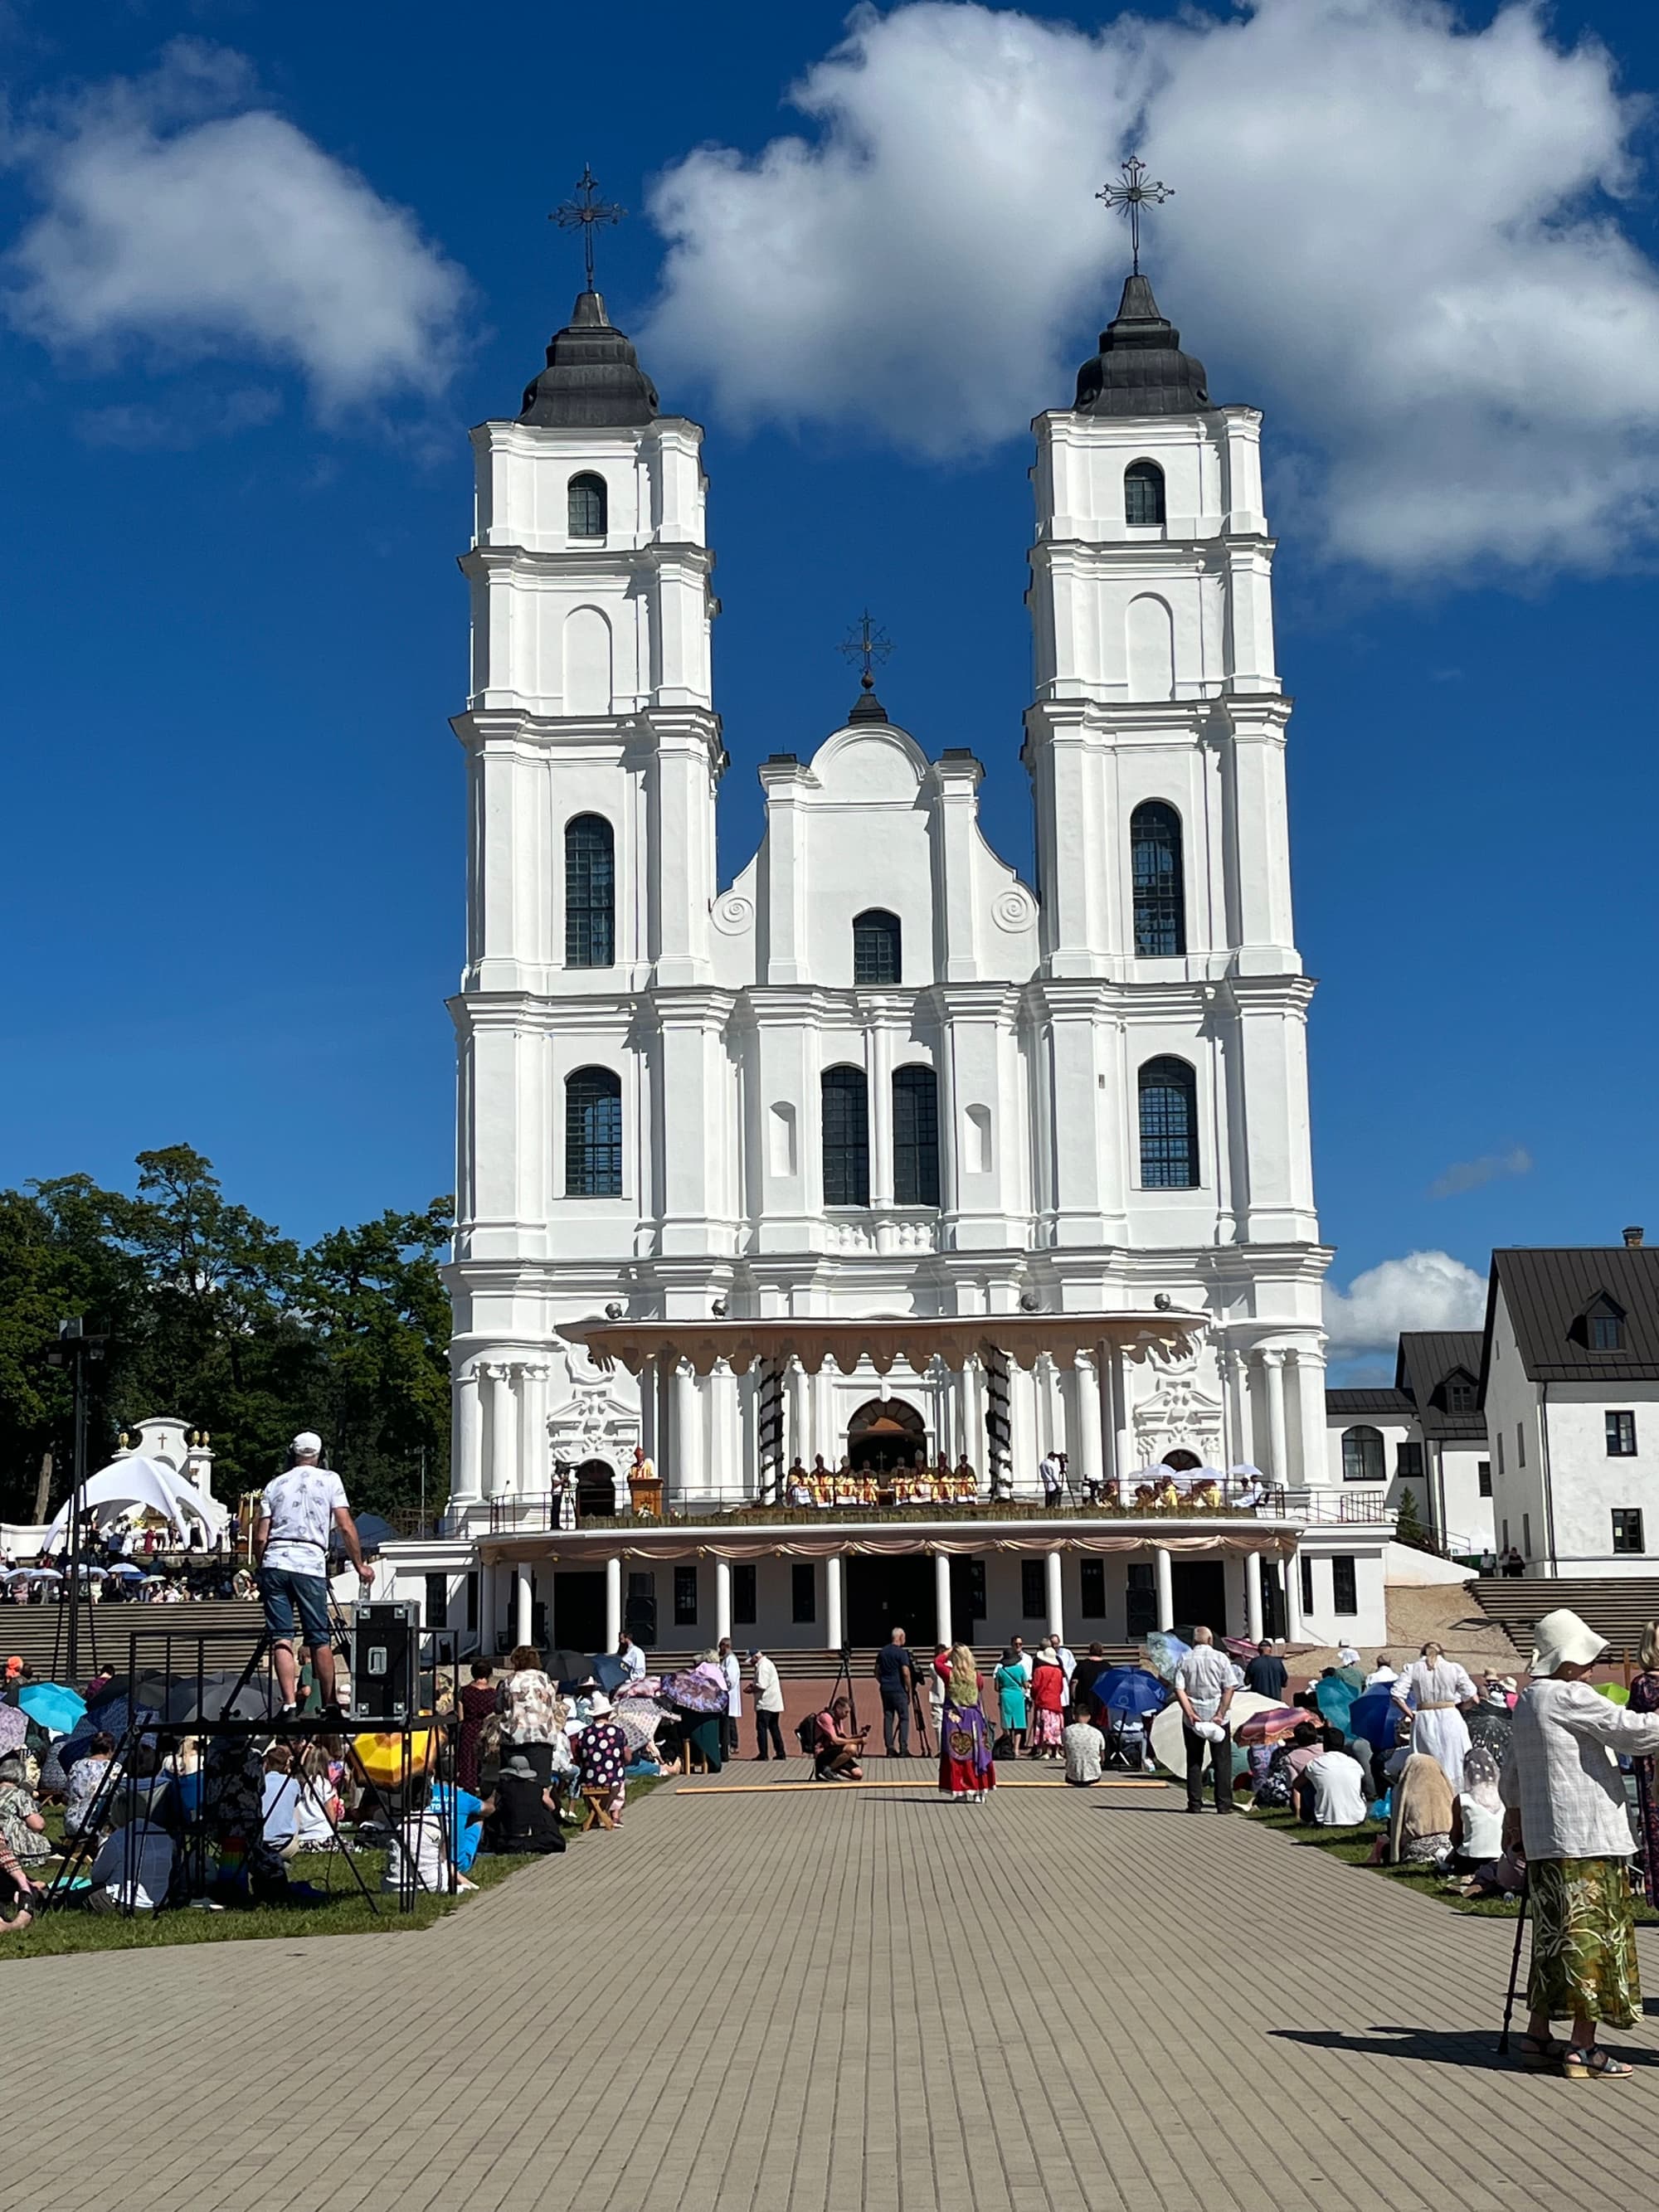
column 1140, row 368
column 592, row 380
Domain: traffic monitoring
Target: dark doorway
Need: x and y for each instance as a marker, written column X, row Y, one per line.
column 882, row 1595
column 1199, row 1590
column 885, row 1434
column 596, row 1491
column 967, row 1597
column 579, row 1610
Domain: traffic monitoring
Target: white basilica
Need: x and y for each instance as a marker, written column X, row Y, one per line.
column 878, row 1150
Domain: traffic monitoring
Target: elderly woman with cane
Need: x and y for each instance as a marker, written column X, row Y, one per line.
column 1562, row 1776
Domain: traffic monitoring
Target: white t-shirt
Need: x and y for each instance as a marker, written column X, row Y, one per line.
column 1049, row 1472
column 733, row 1674
column 1483, row 1829
column 433, row 1873
column 301, row 1505
column 634, row 1660
column 1338, row 1794
column 1084, row 1747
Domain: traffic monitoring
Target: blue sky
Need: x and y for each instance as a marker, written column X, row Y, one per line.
column 235, row 631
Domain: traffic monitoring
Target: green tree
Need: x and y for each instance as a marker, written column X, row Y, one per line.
column 1408, row 1525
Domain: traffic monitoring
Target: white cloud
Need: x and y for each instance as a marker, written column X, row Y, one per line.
column 1425, row 1290
column 170, row 220
column 1383, row 224
column 1491, row 1167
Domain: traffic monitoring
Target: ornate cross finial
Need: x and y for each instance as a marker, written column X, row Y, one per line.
column 1131, row 196
column 583, row 212
column 865, row 642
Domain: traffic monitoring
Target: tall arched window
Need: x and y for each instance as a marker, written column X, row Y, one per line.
column 590, row 892
column 1169, row 1126
column 1362, row 1455
column 876, row 946
column 846, row 1117
column 1155, row 872
column 1143, row 495
column 593, row 1133
column 915, row 1136
column 586, row 506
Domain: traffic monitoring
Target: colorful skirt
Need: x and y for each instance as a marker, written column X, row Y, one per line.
column 1583, row 1941
column 1045, row 1727
column 965, row 1764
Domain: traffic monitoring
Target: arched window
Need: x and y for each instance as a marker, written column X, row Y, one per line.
column 1143, row 495
column 593, row 1133
column 1155, row 870
column 846, row 1115
column 587, row 505
column 1362, row 1455
column 876, row 946
column 590, row 892
column 915, row 1136
column 1169, row 1126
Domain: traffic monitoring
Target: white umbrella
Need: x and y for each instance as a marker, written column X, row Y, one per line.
column 1169, row 1747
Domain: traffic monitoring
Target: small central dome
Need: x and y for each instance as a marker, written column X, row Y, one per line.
column 592, row 380
column 1140, row 368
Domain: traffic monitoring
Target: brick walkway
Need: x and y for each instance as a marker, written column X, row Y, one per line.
column 830, row 2001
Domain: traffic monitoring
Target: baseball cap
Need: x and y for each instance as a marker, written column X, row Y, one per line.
column 306, row 1441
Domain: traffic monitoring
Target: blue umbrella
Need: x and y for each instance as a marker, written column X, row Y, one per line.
column 1130, row 1691
column 608, row 1672
column 52, row 1706
column 1377, row 1718
column 1335, row 1700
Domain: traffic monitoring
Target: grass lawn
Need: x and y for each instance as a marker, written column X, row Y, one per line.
column 1353, row 1846
column 348, row 1912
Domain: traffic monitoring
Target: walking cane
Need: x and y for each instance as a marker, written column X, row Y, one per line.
column 1515, row 1968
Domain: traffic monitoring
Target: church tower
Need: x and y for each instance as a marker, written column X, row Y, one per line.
column 593, row 755
column 1170, row 1001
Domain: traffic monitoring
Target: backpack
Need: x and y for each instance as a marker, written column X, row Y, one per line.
column 806, row 1733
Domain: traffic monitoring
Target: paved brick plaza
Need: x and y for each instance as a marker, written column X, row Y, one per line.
column 836, row 2000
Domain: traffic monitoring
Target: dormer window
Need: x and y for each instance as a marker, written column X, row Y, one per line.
column 1460, row 1395
column 1601, row 1327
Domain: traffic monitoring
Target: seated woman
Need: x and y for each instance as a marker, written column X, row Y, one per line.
column 602, row 1761
column 836, row 1748
column 1477, row 1821
column 417, row 1854
column 519, row 1813
column 22, row 1824
column 1420, row 1821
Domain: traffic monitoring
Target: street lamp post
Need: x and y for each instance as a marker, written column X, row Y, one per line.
column 77, row 1349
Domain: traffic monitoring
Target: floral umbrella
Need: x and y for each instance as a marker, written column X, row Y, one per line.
column 694, row 1692
column 1269, row 1726
column 14, row 1728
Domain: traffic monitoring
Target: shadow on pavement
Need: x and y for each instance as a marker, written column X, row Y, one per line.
column 1434, row 2046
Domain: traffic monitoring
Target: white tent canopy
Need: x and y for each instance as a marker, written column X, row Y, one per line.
column 117, row 1489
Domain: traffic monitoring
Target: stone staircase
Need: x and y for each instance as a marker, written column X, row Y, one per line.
column 1617, row 1606
column 34, row 1631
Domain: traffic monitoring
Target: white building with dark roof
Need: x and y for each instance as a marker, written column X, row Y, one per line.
column 1570, row 1382
column 1426, row 1436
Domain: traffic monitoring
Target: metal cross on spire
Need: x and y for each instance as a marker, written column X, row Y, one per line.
column 868, row 643
column 584, row 212
column 1131, row 196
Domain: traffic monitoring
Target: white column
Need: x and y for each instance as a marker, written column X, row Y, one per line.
column 466, row 1448
column 651, row 1434
column 824, row 1416
column 722, row 1598
column 832, row 1605
column 1165, row 1587
column 797, row 1428
column 1114, row 1412
column 1022, row 1421
column 535, row 1462
column 488, row 1623
column 688, row 1434
column 1055, row 1595
column 971, row 1425
column 503, row 1430
column 1272, row 1365
column 942, row 1598
column 880, row 1058
column 1083, row 1429
column 1252, row 1596
column 522, row 1618
column 1292, row 1570
column 613, row 1614
column 729, row 1476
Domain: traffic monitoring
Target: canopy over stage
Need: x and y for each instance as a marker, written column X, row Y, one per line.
column 885, row 1340
column 1059, row 1533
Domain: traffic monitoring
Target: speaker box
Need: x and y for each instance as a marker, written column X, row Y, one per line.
column 386, row 1643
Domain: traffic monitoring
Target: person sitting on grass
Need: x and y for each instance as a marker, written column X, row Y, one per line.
column 1331, row 1793
column 837, row 1749
column 417, row 1857
column 520, row 1813
column 20, row 1894
column 22, row 1824
column 1420, row 1818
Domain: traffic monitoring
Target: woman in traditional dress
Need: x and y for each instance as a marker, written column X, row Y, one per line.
column 1047, row 1703
column 1432, row 1689
column 1644, row 1699
column 1562, row 1776
column 966, row 1768
column 1011, row 1682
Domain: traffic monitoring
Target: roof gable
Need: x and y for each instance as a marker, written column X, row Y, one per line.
column 1430, row 1361
column 1550, row 1293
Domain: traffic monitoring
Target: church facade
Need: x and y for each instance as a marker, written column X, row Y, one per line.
column 877, row 1077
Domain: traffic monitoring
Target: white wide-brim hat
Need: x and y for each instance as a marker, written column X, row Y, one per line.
column 1561, row 1635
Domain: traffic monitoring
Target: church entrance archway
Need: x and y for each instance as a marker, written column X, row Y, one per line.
column 596, row 1488
column 885, row 1434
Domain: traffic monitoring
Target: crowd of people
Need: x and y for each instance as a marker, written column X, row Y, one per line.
column 1179, row 1484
